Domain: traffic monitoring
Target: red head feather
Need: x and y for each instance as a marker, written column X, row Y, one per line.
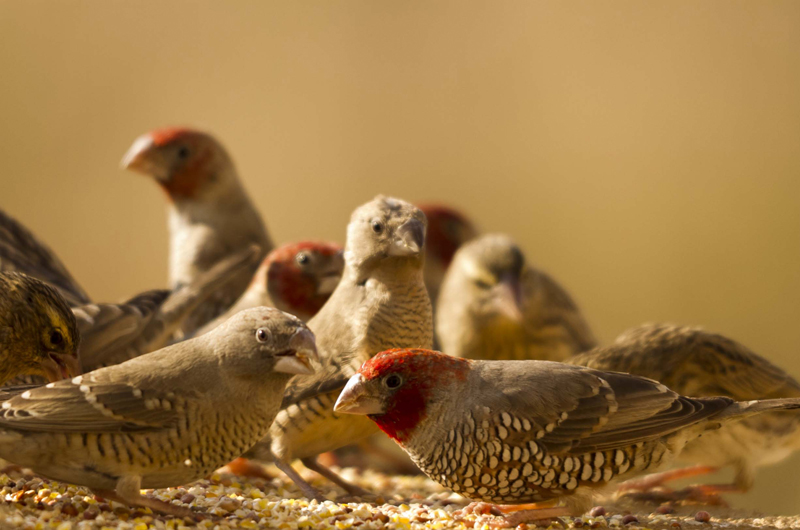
column 297, row 289
column 423, row 371
column 448, row 229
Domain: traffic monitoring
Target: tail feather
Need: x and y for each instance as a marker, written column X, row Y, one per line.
column 742, row 409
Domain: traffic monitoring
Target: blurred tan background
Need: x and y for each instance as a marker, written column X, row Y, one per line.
column 646, row 154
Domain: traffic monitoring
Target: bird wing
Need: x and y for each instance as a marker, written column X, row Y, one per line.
column 109, row 331
column 559, row 308
column 21, row 251
column 87, row 404
column 693, row 362
column 579, row 410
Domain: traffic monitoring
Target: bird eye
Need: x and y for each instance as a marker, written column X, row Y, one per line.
column 483, row 284
column 56, row 338
column 302, row 258
column 377, row 226
column 263, row 335
column 393, row 381
column 183, row 152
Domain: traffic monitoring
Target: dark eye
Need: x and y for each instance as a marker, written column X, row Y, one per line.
column 263, row 335
column 183, row 152
column 393, row 381
column 377, row 227
column 56, row 338
column 302, row 258
column 482, row 284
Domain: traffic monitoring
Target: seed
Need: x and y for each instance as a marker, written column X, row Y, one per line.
column 630, row 518
column 702, row 516
column 597, row 511
column 665, row 509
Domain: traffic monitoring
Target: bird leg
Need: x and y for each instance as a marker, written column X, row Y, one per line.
column 308, row 490
column 656, row 480
column 642, row 489
column 128, row 492
column 243, row 467
column 356, row 491
column 511, row 515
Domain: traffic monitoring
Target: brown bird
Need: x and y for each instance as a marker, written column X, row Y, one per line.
column 38, row 332
column 694, row 362
column 494, row 305
column 297, row 278
column 210, row 214
column 115, row 332
column 163, row 419
column 517, row 432
column 381, row 302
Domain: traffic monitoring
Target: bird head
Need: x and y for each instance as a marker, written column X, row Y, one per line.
column 487, row 273
column 386, row 228
column 189, row 165
column 49, row 338
column 300, row 277
column 396, row 388
column 261, row 341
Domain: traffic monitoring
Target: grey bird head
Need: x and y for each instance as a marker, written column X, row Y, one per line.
column 189, row 164
column 487, row 273
column 258, row 342
column 385, row 228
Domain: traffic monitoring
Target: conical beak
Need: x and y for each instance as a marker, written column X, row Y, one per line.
column 330, row 280
column 297, row 359
column 355, row 399
column 507, row 299
column 58, row 366
column 409, row 239
column 138, row 156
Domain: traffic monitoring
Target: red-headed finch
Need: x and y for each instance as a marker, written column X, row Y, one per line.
column 163, row 419
column 517, row 432
column 210, row 214
column 380, row 303
column 695, row 362
column 495, row 305
column 297, row 278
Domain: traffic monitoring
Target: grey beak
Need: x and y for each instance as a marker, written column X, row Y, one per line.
column 409, row 239
column 355, row 400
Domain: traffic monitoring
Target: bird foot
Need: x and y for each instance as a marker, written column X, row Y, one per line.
column 351, row 489
column 658, row 480
column 242, row 467
column 309, row 491
column 506, row 516
column 157, row 505
column 701, row 494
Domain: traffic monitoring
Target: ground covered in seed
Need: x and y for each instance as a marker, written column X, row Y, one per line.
column 226, row 501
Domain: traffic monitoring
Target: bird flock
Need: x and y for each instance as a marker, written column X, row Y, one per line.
column 421, row 330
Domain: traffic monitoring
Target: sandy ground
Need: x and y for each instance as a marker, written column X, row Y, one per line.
column 226, row 501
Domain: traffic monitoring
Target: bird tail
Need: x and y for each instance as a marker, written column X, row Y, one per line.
column 742, row 409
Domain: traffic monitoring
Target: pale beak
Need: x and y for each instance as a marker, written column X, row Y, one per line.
column 355, row 400
column 297, row 360
column 328, row 283
column 58, row 366
column 409, row 239
column 138, row 158
column 507, row 299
